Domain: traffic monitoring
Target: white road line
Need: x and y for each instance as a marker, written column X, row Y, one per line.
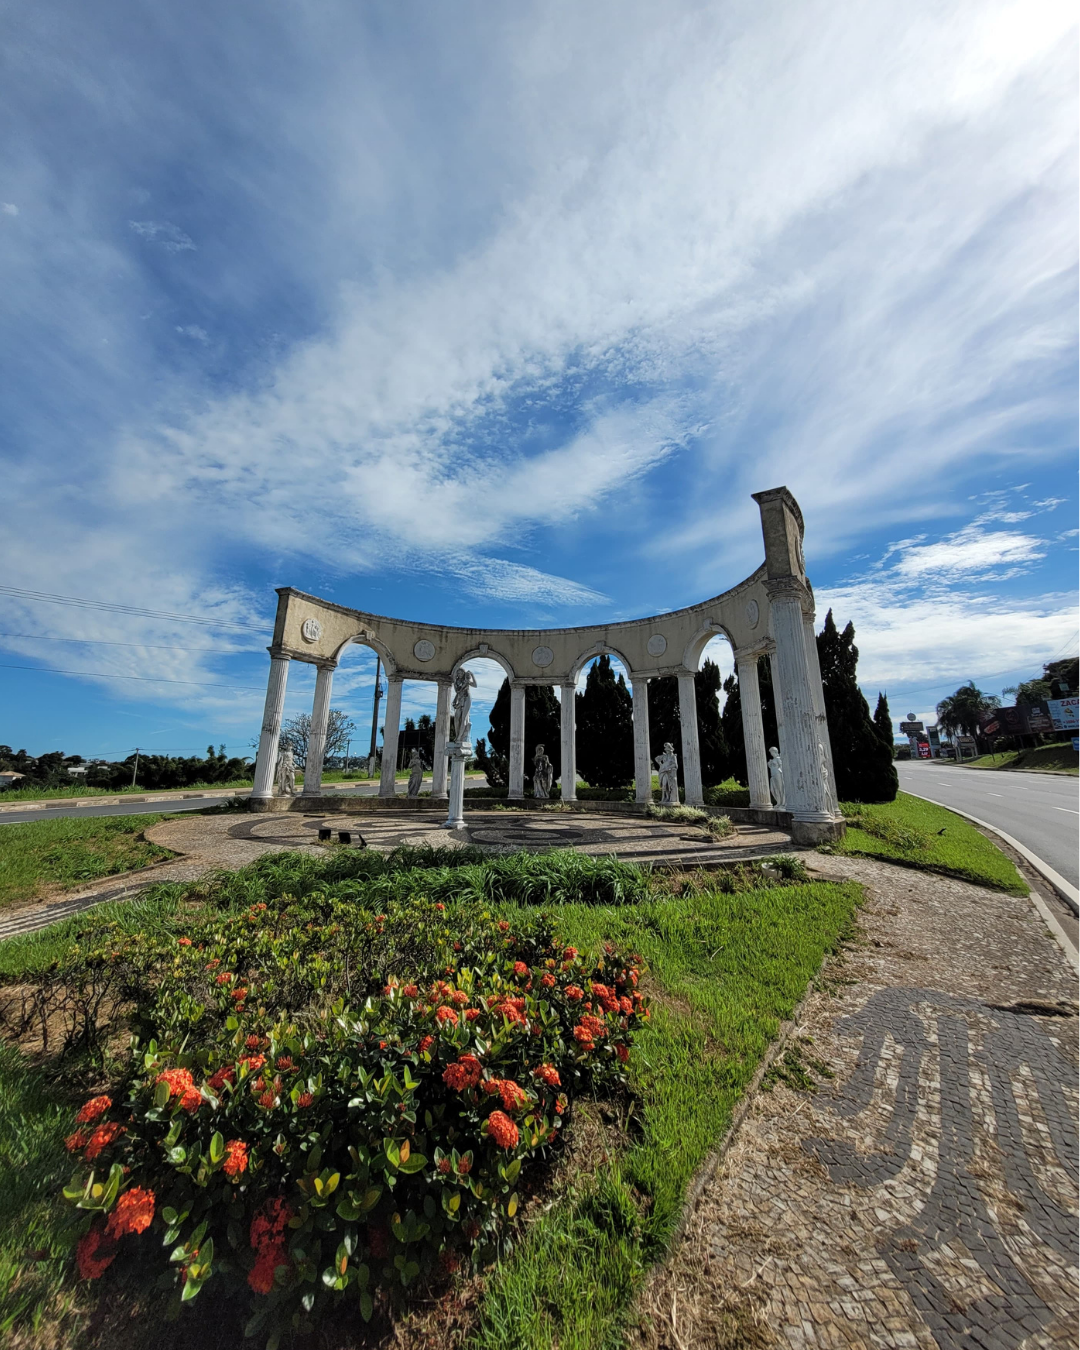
column 1068, row 810
column 995, row 794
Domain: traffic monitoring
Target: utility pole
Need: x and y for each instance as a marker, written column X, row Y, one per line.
column 375, row 712
column 135, row 773
column 346, row 769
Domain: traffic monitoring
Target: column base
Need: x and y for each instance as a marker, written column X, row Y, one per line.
column 811, row 832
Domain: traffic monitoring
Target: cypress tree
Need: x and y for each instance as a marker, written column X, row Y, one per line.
column 883, row 721
column 605, row 728
column 664, row 722
column 864, row 768
column 731, row 718
column 712, row 743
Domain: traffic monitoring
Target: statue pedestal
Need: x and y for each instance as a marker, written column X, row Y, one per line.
column 459, row 752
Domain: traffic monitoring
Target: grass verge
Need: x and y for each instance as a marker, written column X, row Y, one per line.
column 1058, row 758
column 921, row 834
column 77, row 793
column 725, row 970
column 42, row 855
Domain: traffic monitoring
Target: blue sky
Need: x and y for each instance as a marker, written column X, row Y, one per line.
column 498, row 314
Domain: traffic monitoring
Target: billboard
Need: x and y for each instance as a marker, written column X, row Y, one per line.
column 1063, row 713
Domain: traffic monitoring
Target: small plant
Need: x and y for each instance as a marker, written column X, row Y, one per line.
column 715, row 827
column 903, row 837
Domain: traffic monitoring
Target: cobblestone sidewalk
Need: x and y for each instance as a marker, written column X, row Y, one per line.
column 926, row 1194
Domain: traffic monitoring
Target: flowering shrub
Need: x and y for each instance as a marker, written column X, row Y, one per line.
column 315, row 1146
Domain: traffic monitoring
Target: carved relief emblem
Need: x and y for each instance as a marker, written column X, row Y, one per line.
column 657, row 645
column 753, row 614
column 542, row 656
column 424, row 650
column 311, row 630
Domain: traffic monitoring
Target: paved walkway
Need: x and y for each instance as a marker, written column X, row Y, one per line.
column 207, row 843
column 926, row 1195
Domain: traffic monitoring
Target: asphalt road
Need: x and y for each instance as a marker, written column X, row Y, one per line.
column 1041, row 810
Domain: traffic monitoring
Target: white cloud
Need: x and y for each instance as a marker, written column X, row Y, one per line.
column 9, row 208
column 192, row 330
column 969, row 552
column 171, row 237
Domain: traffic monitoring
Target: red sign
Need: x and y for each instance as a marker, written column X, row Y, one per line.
column 924, row 750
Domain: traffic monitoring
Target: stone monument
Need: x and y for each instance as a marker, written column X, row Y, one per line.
column 460, row 748
column 285, row 774
column 543, row 774
column 776, row 776
column 668, row 764
column 416, row 773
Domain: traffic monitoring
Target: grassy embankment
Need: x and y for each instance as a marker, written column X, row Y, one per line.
column 44, row 856
column 1057, row 758
column 75, row 792
column 917, row 833
column 724, row 969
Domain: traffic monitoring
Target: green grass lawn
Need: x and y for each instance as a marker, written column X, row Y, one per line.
column 724, row 968
column 79, row 792
column 1057, row 758
column 918, row 833
column 44, row 854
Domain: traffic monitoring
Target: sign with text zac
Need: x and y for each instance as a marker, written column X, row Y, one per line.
column 1064, row 713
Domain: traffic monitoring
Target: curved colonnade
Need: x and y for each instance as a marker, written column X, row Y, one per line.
column 770, row 613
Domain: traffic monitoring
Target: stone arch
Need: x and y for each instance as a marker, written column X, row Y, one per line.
column 692, row 651
column 487, row 654
column 366, row 639
column 597, row 649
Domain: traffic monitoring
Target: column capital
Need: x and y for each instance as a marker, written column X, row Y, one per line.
column 279, row 654
column 765, row 647
column 787, row 588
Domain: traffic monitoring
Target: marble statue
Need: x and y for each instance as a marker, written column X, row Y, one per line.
column 776, row 776
column 464, row 684
column 543, row 773
column 285, row 774
column 668, row 764
column 416, row 773
column 823, row 760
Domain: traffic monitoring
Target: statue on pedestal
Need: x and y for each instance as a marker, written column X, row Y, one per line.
column 543, row 773
column 776, row 776
column 464, row 684
column 668, row 765
column 416, row 773
column 285, row 774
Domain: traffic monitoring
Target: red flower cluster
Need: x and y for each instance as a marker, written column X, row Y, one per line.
column 267, row 1237
column 182, row 1085
column 503, row 1130
column 236, row 1158
column 102, row 1137
column 96, row 1106
column 547, row 1073
column 606, row 997
column 253, row 1062
column 513, row 1096
column 226, row 1074
column 548, row 980
column 133, row 1213
column 94, row 1254
column 588, row 1031
column 520, row 968
column 426, row 1042
column 574, row 994
column 183, row 942
column 463, row 1074
column 304, row 1100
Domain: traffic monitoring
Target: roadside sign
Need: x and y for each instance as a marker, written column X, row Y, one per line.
column 1064, row 712
column 924, row 750
column 911, row 728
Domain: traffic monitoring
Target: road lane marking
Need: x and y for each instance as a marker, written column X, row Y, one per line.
column 995, row 794
column 1068, row 810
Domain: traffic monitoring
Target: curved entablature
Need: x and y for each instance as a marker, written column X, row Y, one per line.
column 318, row 631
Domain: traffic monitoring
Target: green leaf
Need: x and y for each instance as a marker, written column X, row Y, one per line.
column 348, row 1209
column 367, row 1306
column 161, row 1094
column 510, row 1174
column 169, row 1215
column 217, row 1148
column 416, row 1163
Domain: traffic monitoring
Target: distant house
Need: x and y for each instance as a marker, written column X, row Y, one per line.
column 8, row 778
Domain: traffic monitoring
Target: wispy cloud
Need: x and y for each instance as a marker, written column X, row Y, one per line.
column 171, row 237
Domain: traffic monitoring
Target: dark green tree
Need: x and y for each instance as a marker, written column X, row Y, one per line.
column 883, row 721
column 715, row 755
column 605, row 728
column 961, row 711
column 863, row 762
column 664, row 721
column 731, row 719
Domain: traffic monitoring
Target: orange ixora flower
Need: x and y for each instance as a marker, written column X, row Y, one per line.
column 96, row 1106
column 236, row 1158
column 513, row 1097
column 94, row 1254
column 102, row 1137
column 133, row 1213
column 226, row 1074
column 464, row 1074
column 178, row 1080
column 547, row 1073
column 503, row 1130
column 76, row 1142
column 304, row 1100
column 443, row 1015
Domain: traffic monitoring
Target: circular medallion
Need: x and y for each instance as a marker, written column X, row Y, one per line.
column 657, row 645
column 542, row 656
column 424, row 650
column 753, row 613
column 311, row 630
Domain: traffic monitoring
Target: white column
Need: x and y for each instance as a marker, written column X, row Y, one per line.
column 517, row 742
column 642, row 762
column 316, row 746
column 757, row 768
column 820, row 716
column 270, row 735
column 691, row 751
column 806, row 793
column 442, row 735
column 778, row 708
column 568, row 778
column 387, row 780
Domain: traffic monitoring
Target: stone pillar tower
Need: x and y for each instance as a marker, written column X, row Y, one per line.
column 807, row 752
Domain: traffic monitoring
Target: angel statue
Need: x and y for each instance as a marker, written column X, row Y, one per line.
column 464, row 684
column 285, row 774
column 416, row 773
column 668, row 764
column 776, row 776
column 543, row 773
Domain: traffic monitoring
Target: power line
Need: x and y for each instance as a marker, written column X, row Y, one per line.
column 148, row 646
column 112, row 608
column 147, row 679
